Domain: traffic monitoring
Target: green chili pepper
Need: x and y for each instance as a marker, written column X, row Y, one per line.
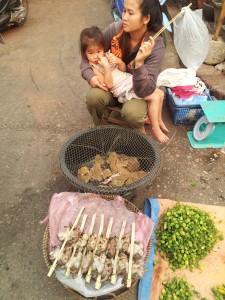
column 185, row 236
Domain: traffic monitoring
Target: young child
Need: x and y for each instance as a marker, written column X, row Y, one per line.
column 112, row 71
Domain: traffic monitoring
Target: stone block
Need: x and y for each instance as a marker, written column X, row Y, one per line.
column 216, row 52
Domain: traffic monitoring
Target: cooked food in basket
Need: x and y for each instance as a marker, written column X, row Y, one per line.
column 91, row 239
column 114, row 170
column 96, row 256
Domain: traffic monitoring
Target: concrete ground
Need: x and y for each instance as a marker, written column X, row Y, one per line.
column 42, row 105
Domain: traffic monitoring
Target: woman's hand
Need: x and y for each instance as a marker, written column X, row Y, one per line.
column 144, row 51
column 97, row 82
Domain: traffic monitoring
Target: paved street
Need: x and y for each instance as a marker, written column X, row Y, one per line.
column 42, row 104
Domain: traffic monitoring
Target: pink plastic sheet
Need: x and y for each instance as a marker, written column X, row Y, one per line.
column 64, row 208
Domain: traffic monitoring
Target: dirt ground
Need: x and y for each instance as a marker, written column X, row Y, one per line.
column 42, row 106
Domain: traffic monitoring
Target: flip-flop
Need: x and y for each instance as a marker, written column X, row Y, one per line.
column 147, row 121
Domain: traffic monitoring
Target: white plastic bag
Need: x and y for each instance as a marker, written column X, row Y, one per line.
column 191, row 39
column 87, row 289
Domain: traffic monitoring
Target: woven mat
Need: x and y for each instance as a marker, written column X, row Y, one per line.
column 213, row 266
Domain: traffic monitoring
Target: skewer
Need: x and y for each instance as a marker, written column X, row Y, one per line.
column 75, row 246
column 129, row 279
column 98, row 281
column 114, row 277
column 85, row 249
column 171, row 21
column 53, row 266
column 88, row 276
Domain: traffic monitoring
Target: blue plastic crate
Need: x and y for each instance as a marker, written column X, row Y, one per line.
column 187, row 115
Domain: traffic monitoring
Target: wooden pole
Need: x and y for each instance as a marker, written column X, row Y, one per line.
column 220, row 22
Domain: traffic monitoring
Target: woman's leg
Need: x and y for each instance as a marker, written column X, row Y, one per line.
column 97, row 100
column 161, row 123
column 134, row 113
column 155, row 101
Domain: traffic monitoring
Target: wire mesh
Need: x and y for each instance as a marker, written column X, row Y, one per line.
column 81, row 149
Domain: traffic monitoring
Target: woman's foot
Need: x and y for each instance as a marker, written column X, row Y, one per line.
column 163, row 126
column 159, row 135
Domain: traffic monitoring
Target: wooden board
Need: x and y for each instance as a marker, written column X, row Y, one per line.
column 213, row 266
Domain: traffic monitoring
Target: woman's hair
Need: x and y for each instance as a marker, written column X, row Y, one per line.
column 152, row 8
column 147, row 7
column 90, row 36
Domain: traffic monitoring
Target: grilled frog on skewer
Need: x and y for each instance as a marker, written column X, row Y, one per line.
column 63, row 234
column 107, row 271
column 73, row 237
column 92, row 242
column 138, row 268
column 138, row 251
column 83, row 239
column 75, row 262
column 102, row 245
column 98, row 263
column 64, row 257
column 111, row 248
column 86, row 262
column 125, row 245
column 122, row 264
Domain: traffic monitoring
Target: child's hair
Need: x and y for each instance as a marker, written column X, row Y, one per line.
column 90, row 36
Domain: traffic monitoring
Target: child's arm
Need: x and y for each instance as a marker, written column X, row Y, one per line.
column 117, row 61
column 107, row 72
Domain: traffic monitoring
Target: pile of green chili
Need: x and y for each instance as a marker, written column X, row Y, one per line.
column 186, row 235
column 178, row 289
column 219, row 292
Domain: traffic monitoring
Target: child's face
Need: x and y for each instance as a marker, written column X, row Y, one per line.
column 93, row 53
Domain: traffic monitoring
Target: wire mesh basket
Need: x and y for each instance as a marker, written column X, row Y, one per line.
column 82, row 148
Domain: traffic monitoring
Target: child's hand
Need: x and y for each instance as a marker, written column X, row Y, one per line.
column 144, row 51
column 103, row 61
column 112, row 59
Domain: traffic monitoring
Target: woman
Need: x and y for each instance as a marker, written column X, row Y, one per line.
column 130, row 40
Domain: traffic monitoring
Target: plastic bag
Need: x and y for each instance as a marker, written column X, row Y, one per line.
column 88, row 289
column 191, row 39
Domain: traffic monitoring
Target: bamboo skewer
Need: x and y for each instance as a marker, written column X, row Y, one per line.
column 114, row 276
column 171, row 21
column 53, row 266
column 85, row 250
column 88, row 276
column 98, row 281
column 75, row 246
column 220, row 22
column 129, row 279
